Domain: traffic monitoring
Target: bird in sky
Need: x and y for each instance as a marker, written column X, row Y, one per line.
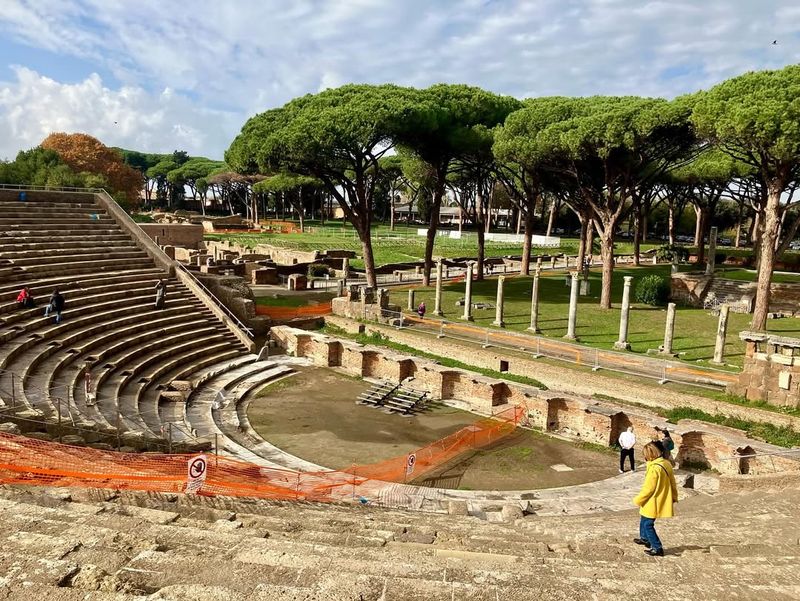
column 774, row 42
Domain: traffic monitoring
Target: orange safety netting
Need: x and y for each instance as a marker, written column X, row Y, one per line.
column 294, row 312
column 40, row 463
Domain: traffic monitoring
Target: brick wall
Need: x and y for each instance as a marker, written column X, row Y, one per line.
column 771, row 370
column 185, row 235
column 576, row 418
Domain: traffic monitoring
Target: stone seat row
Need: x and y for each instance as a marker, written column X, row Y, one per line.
column 72, row 543
column 104, row 368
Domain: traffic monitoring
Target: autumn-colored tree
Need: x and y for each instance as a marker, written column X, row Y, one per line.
column 85, row 154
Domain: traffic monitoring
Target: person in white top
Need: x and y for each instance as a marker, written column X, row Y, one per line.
column 627, row 440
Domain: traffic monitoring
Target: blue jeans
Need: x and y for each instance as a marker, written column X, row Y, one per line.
column 647, row 531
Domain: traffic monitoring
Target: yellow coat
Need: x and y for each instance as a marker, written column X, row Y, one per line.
column 659, row 490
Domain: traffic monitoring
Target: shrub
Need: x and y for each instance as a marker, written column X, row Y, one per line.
column 318, row 271
column 652, row 290
column 667, row 252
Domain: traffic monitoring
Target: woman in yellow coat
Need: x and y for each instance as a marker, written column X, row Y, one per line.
column 655, row 500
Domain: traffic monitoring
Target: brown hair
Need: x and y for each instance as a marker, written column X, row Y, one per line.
column 651, row 451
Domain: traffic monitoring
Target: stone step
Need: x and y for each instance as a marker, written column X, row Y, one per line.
column 10, row 291
column 71, row 255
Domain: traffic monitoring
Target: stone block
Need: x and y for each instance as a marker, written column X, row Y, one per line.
column 10, row 428
column 265, row 276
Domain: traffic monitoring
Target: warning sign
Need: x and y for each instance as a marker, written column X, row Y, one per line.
column 196, row 474
column 411, row 461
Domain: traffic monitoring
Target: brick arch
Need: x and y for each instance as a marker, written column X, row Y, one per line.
column 706, row 449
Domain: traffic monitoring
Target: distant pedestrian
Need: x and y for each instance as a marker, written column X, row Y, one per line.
column 667, row 444
column 25, row 299
column 55, row 305
column 421, row 310
column 659, row 493
column 88, row 384
column 627, row 440
column 161, row 293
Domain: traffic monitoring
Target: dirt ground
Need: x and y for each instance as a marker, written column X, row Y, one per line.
column 313, row 415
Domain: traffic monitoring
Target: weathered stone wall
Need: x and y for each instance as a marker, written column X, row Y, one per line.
column 237, row 297
column 185, row 235
column 771, row 370
column 576, row 418
column 688, row 288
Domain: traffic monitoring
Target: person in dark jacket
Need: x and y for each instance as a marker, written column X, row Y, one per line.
column 56, row 305
column 161, row 293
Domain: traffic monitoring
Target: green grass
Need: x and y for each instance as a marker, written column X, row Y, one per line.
column 781, row 436
column 378, row 339
column 402, row 245
column 695, row 329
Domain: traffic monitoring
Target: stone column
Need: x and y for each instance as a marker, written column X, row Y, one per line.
column 622, row 343
column 498, row 315
column 712, row 250
column 411, row 306
column 552, row 262
column 340, row 288
column 722, row 330
column 346, row 268
column 534, row 327
column 437, row 309
column 573, row 307
column 669, row 331
column 468, row 293
column 539, row 263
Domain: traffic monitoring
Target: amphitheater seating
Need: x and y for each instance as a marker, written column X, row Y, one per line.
column 72, row 544
column 110, row 327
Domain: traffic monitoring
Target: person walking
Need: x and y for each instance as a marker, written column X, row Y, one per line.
column 659, row 493
column 421, row 310
column 25, row 299
column 627, row 440
column 161, row 293
column 55, row 305
column 668, row 444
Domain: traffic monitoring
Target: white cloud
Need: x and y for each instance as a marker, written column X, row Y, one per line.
column 245, row 56
column 34, row 106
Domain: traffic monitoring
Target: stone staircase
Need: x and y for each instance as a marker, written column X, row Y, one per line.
column 70, row 544
column 136, row 354
column 737, row 295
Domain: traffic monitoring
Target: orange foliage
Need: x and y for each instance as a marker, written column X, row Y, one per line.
column 83, row 153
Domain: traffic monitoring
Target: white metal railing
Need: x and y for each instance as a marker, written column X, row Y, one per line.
column 793, row 454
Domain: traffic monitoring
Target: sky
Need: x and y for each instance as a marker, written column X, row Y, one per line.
column 161, row 75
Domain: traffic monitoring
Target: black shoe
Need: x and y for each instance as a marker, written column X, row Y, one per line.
column 641, row 541
column 654, row 552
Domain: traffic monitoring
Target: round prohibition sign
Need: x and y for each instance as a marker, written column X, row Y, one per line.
column 197, row 468
column 411, row 461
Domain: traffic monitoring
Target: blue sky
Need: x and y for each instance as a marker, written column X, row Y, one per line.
column 156, row 75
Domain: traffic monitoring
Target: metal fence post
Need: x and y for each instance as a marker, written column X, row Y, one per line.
column 663, row 379
column 169, row 438
column 216, row 450
column 538, row 352
column 596, row 360
column 58, row 402
column 13, row 392
column 441, row 329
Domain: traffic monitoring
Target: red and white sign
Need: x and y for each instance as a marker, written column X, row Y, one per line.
column 196, row 474
column 411, row 461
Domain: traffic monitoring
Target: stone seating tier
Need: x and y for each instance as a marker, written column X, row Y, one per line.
column 109, row 323
column 72, row 544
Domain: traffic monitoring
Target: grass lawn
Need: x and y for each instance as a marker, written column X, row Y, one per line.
column 751, row 275
column 295, row 300
column 399, row 246
column 695, row 329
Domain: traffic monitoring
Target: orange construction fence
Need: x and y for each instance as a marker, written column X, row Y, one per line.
column 35, row 462
column 294, row 312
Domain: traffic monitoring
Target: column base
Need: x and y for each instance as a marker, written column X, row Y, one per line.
column 467, row 318
column 571, row 338
column 499, row 324
column 622, row 345
column 717, row 362
column 438, row 313
column 533, row 330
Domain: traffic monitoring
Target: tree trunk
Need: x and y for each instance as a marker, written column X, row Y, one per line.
column 525, row 268
column 481, row 224
column 433, row 226
column 552, row 218
column 589, row 237
column 582, row 243
column 769, row 235
column 488, row 213
column 700, row 234
column 637, row 233
column 671, row 223
column 607, row 255
column 391, row 213
column 369, row 259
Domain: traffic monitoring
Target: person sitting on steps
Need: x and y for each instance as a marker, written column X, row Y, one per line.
column 55, row 305
column 25, row 299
